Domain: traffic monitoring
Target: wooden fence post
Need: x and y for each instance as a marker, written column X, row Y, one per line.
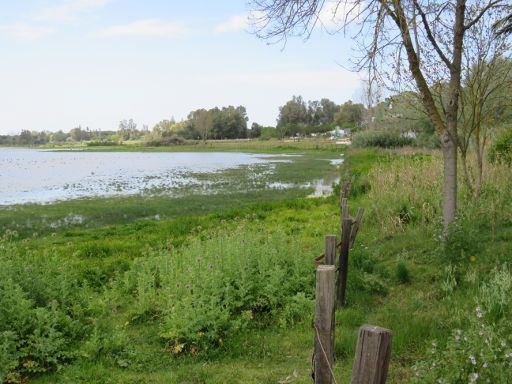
column 330, row 250
column 355, row 228
column 343, row 264
column 372, row 355
column 323, row 355
column 344, row 209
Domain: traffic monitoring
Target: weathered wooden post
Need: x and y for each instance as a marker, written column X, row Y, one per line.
column 355, row 227
column 323, row 355
column 343, row 264
column 349, row 229
column 330, row 250
column 372, row 355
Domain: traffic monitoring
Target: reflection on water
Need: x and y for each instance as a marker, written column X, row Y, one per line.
column 29, row 175
column 35, row 176
column 323, row 187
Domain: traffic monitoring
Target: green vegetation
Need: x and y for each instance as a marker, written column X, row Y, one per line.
column 381, row 139
column 228, row 287
column 501, row 150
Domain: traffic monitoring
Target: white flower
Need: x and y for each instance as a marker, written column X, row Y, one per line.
column 472, row 359
column 473, row 377
column 485, row 365
column 503, row 343
column 479, row 313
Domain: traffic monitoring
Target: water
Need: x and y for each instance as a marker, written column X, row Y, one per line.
column 40, row 176
column 29, row 175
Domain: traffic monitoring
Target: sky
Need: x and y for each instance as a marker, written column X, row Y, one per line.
column 65, row 63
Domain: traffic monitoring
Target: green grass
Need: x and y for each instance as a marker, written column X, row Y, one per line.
column 124, row 342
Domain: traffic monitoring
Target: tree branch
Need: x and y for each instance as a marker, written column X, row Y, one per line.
column 482, row 12
column 430, row 36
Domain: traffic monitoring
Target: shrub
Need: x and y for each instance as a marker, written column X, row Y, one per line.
column 501, row 150
column 110, row 343
column 224, row 284
column 381, row 139
column 102, row 143
column 42, row 313
column 166, row 141
column 427, row 140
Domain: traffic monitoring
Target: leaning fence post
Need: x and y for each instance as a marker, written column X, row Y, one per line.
column 372, row 355
column 323, row 355
column 330, row 250
column 355, row 227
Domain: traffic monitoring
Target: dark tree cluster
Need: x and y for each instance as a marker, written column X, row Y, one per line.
column 300, row 117
column 202, row 124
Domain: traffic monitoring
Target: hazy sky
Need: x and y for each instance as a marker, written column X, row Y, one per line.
column 93, row 63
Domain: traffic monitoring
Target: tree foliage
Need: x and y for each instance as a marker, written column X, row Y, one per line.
column 350, row 115
column 405, row 44
column 297, row 116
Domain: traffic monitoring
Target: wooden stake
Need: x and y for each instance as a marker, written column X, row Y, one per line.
column 323, row 324
column 372, row 355
column 355, row 227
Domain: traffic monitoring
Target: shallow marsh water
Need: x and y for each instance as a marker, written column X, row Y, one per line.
column 39, row 176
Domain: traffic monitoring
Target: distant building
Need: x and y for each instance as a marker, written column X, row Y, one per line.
column 339, row 132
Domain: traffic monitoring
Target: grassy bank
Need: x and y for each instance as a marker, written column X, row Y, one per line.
column 228, row 297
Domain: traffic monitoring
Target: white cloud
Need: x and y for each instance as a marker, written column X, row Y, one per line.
column 235, row 23
column 335, row 13
column 69, row 10
column 24, row 31
column 147, row 27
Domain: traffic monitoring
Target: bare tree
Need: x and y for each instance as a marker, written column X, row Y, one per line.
column 407, row 44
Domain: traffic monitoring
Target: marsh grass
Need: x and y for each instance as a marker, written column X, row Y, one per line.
column 220, row 191
column 135, row 332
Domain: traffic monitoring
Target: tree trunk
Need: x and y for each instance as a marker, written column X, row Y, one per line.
column 449, row 149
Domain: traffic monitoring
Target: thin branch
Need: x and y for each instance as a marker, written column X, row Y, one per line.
column 430, row 36
column 482, row 12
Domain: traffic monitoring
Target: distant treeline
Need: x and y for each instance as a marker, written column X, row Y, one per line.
column 400, row 113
